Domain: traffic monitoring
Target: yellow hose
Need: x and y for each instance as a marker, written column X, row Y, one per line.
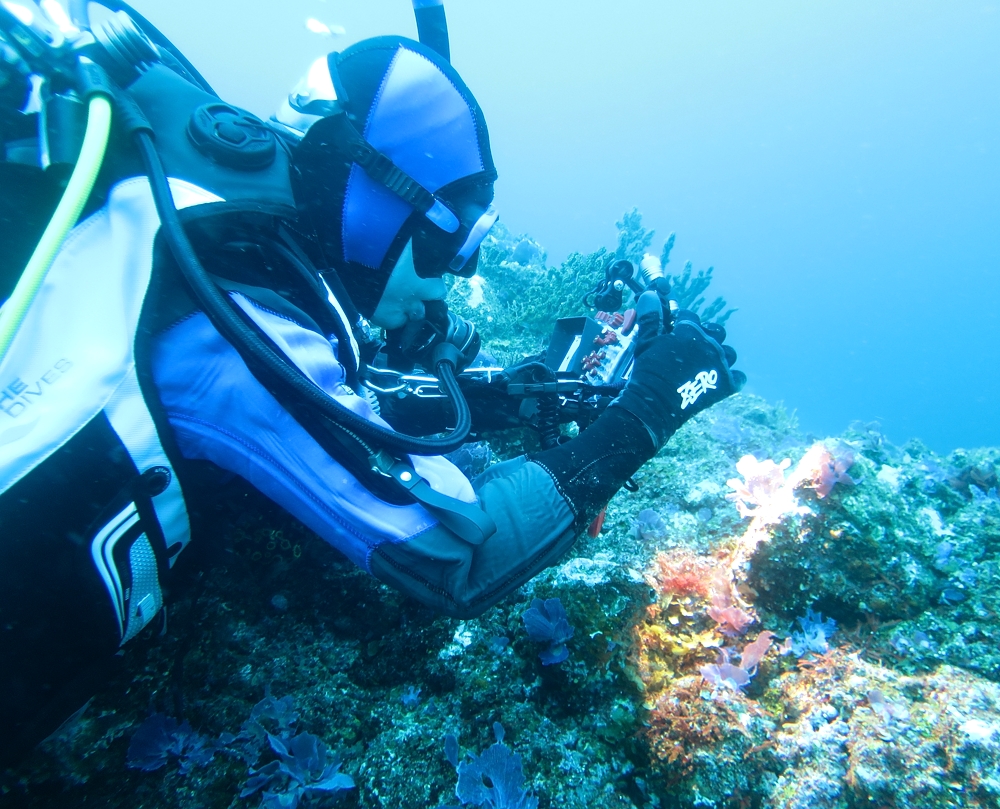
column 81, row 184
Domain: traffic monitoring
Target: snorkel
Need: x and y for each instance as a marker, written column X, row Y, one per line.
column 432, row 26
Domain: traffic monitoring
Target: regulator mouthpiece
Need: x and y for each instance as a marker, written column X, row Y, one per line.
column 441, row 335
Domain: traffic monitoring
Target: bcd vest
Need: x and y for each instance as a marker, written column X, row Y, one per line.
column 92, row 513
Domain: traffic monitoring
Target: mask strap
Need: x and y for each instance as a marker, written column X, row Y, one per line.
column 380, row 168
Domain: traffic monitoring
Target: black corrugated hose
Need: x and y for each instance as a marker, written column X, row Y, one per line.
column 260, row 356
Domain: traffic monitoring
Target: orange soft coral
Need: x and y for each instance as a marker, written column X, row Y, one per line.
column 680, row 573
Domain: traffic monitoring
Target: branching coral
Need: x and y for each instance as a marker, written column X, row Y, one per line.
column 686, row 290
column 516, row 298
column 633, row 239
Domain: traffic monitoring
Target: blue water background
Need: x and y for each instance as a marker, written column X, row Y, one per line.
column 837, row 162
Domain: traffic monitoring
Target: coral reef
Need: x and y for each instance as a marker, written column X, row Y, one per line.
column 516, row 297
column 855, row 733
column 771, row 620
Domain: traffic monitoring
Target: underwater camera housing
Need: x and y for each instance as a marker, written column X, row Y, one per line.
column 599, row 349
column 586, row 365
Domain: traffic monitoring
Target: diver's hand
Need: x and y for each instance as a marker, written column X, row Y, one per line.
column 678, row 371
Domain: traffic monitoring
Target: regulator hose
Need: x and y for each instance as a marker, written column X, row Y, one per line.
column 81, row 184
column 260, row 355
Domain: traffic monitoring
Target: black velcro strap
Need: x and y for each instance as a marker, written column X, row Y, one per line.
column 467, row 520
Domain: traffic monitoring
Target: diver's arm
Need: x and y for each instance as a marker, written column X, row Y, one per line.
column 540, row 505
column 542, row 502
column 220, row 413
column 681, row 368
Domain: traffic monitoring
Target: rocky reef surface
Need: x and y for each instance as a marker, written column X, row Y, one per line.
column 771, row 620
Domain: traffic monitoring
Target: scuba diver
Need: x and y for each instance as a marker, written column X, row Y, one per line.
column 187, row 288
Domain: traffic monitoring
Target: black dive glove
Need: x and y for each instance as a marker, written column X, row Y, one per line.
column 678, row 372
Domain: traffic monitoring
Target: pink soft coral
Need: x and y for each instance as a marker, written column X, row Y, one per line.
column 732, row 621
column 767, row 495
column 830, row 468
column 724, row 674
column 762, row 480
column 754, row 652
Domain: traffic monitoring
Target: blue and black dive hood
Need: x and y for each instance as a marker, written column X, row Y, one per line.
column 391, row 147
